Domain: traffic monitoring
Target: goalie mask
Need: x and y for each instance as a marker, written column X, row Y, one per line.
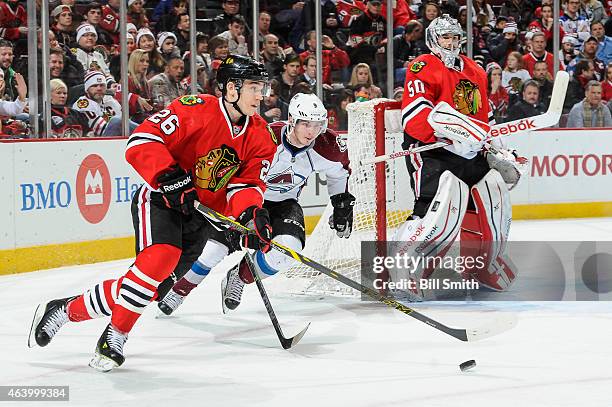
column 443, row 37
column 309, row 109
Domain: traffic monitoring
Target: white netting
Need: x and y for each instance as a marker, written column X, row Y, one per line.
column 343, row 255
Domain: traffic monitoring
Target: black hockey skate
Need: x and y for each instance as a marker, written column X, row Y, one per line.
column 48, row 319
column 170, row 303
column 109, row 350
column 231, row 288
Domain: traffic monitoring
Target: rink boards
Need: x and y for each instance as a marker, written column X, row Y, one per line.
column 68, row 202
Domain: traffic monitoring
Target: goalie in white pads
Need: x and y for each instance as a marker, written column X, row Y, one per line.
column 445, row 98
column 305, row 146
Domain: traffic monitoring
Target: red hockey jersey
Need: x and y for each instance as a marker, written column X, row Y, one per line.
column 10, row 21
column 228, row 162
column 429, row 81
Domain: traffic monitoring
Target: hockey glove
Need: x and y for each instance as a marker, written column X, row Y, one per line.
column 258, row 220
column 177, row 190
column 342, row 218
column 509, row 164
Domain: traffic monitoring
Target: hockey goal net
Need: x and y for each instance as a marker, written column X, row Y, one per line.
column 383, row 201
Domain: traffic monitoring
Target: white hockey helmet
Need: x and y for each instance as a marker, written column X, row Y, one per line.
column 307, row 107
column 439, row 27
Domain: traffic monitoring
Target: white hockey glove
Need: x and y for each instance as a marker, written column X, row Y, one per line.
column 508, row 164
column 468, row 135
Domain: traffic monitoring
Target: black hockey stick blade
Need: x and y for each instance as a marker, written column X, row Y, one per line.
column 464, row 335
column 286, row 343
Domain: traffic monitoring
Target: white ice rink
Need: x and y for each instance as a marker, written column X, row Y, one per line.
column 354, row 354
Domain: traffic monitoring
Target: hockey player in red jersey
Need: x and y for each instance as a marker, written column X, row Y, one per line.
column 445, row 98
column 215, row 150
column 305, row 146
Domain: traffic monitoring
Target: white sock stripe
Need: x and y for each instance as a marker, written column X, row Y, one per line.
column 114, row 291
column 86, row 299
column 137, row 287
column 143, row 276
column 140, row 220
column 105, row 305
column 121, row 301
column 93, row 301
column 133, row 299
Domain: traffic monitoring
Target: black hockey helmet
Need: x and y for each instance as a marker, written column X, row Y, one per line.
column 236, row 68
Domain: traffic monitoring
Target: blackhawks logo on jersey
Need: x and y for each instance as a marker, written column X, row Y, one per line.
column 467, row 97
column 82, row 103
column 214, row 170
column 190, row 100
column 417, row 66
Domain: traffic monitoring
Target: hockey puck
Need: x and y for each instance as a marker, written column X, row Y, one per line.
column 467, row 365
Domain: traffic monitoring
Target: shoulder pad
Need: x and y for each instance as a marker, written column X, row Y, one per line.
column 272, row 134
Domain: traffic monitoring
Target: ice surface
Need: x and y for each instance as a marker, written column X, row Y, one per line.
column 354, row 354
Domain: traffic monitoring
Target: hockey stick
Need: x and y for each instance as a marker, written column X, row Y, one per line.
column 550, row 118
column 465, row 335
column 286, row 343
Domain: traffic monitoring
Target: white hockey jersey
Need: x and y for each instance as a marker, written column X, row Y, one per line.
column 291, row 167
column 93, row 61
column 98, row 114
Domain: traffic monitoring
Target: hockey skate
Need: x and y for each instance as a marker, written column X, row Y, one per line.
column 170, row 303
column 109, row 350
column 48, row 319
column 231, row 288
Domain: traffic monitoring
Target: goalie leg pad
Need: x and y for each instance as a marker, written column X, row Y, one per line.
column 484, row 232
column 433, row 234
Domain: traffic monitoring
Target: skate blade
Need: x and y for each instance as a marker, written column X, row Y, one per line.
column 38, row 314
column 159, row 314
column 102, row 363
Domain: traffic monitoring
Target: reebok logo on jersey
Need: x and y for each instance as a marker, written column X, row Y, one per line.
column 525, row 124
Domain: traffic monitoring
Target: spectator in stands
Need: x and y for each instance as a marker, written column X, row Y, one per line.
column 235, row 36
column 272, row 55
column 521, row 11
column 115, row 60
column 367, row 34
column 334, row 58
column 168, row 21
column 163, row 8
column 482, row 13
column 265, row 18
column 514, row 75
column 538, row 53
column 273, row 109
column 405, row 49
column 568, row 50
column 604, row 49
column 138, row 65
column 480, row 51
column 590, row 112
column 202, row 79
column 509, row 44
column 450, row 7
column 182, row 32
column 219, row 50
column 398, row 93
column 166, row 45
column 93, row 16
column 573, row 23
column 589, row 52
column 13, row 20
column 146, row 41
column 6, row 65
column 309, row 66
column 62, row 25
column 136, row 14
column 110, row 20
column 498, row 95
column 593, row 10
column 222, row 21
column 65, row 121
column 529, row 104
column 86, row 37
column 166, row 86
column 545, row 23
column 607, row 84
column 584, row 72
column 290, row 77
column 13, row 107
column 103, row 111
column 362, row 78
column 495, row 34
column 542, row 75
column 431, row 11
column 70, row 74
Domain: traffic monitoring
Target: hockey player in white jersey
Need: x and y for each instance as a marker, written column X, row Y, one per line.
column 305, row 146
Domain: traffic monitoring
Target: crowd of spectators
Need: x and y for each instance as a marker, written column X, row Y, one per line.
column 513, row 42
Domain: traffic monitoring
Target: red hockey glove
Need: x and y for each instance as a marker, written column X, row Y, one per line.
column 258, row 220
column 177, row 190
